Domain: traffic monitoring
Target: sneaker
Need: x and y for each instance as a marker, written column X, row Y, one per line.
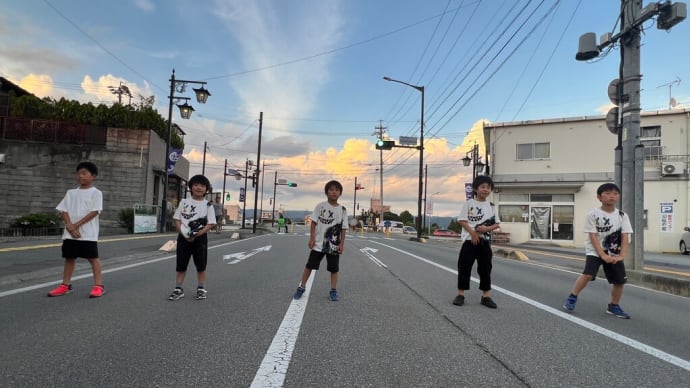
column 62, row 289
column 488, row 302
column 177, row 294
column 299, row 292
column 615, row 309
column 200, row 293
column 459, row 300
column 97, row 292
column 570, row 303
column 334, row 295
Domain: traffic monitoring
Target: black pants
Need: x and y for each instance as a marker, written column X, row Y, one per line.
column 198, row 249
column 468, row 254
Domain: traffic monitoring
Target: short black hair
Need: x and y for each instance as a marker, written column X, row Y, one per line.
column 335, row 184
column 88, row 166
column 480, row 180
column 608, row 187
column 201, row 180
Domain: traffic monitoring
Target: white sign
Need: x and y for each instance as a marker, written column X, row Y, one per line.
column 666, row 219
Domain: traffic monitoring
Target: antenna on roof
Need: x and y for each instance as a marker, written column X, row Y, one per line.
column 671, row 101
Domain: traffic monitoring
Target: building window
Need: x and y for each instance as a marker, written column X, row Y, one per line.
column 513, row 213
column 533, row 151
column 650, row 138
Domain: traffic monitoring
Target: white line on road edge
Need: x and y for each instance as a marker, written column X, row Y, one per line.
column 275, row 364
column 88, row 275
column 654, row 352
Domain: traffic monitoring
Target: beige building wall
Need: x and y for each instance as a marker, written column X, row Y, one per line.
column 581, row 158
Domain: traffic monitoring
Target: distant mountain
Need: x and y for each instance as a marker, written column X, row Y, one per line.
column 442, row 222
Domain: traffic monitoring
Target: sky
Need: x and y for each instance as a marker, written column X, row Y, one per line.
column 315, row 69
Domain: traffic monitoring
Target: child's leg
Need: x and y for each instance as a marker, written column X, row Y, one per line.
column 465, row 262
column 616, row 293
column 179, row 278
column 96, row 269
column 484, row 266
column 334, row 280
column 305, row 277
column 201, row 276
column 70, row 263
column 580, row 284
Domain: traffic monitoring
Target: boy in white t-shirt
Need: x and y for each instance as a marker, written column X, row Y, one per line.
column 328, row 223
column 477, row 219
column 79, row 210
column 194, row 218
column 608, row 234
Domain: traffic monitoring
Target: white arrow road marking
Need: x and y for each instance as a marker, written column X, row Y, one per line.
column 237, row 257
column 369, row 252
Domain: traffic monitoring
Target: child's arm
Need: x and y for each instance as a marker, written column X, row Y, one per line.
column 73, row 228
column 625, row 240
column 473, row 233
column 341, row 246
column 312, row 235
column 594, row 239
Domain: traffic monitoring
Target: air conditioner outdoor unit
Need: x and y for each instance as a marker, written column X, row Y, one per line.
column 672, row 168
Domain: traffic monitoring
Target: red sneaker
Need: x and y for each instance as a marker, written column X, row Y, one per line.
column 97, row 292
column 62, row 289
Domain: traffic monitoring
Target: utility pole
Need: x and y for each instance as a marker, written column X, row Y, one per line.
column 380, row 131
column 203, row 163
column 258, row 171
column 626, row 94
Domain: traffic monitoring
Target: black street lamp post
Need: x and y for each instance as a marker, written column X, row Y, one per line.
column 418, row 221
column 473, row 158
column 177, row 85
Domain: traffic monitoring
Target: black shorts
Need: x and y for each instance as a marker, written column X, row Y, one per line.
column 71, row 249
column 198, row 249
column 615, row 273
column 332, row 261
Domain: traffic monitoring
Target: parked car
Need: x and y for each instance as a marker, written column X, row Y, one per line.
column 445, row 233
column 409, row 230
column 685, row 241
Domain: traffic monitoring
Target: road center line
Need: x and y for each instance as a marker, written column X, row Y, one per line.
column 274, row 366
column 654, row 352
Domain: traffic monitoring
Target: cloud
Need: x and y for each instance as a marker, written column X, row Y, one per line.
column 101, row 89
column 39, row 84
column 266, row 34
column 145, row 5
column 604, row 109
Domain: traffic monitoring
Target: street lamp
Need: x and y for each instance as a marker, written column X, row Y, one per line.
column 186, row 110
column 358, row 186
column 431, row 208
column 418, row 221
column 474, row 160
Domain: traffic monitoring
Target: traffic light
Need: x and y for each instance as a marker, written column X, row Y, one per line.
column 292, row 184
column 227, row 197
column 385, row 144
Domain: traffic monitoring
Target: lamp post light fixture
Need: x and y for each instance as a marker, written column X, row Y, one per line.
column 418, row 221
column 473, row 158
column 202, row 94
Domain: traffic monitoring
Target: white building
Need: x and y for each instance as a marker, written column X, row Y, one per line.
column 546, row 173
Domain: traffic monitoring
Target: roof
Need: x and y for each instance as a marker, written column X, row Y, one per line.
column 7, row 86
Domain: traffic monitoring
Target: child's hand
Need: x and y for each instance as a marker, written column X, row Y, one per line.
column 474, row 236
column 312, row 243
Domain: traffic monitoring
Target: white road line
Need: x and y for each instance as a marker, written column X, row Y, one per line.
column 105, row 271
column 274, row 366
column 652, row 351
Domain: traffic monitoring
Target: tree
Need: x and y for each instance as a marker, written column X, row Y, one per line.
column 454, row 225
column 406, row 218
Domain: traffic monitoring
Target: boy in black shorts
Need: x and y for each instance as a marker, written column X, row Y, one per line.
column 328, row 224
column 608, row 234
column 79, row 210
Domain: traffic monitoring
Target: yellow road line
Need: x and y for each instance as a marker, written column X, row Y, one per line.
column 53, row 245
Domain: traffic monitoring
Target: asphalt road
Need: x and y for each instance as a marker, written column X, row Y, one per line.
column 394, row 326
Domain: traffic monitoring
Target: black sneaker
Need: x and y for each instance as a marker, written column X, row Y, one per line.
column 177, row 294
column 334, row 295
column 488, row 302
column 459, row 300
column 299, row 292
column 200, row 293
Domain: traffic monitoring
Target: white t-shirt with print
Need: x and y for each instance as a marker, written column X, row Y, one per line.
column 191, row 210
column 610, row 227
column 330, row 221
column 78, row 203
column 477, row 213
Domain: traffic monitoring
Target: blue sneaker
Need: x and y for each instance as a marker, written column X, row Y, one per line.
column 570, row 303
column 298, row 293
column 334, row 295
column 615, row 309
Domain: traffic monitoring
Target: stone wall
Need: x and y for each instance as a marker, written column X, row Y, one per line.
column 36, row 176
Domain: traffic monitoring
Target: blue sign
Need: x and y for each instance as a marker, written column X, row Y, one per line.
column 241, row 194
column 468, row 191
